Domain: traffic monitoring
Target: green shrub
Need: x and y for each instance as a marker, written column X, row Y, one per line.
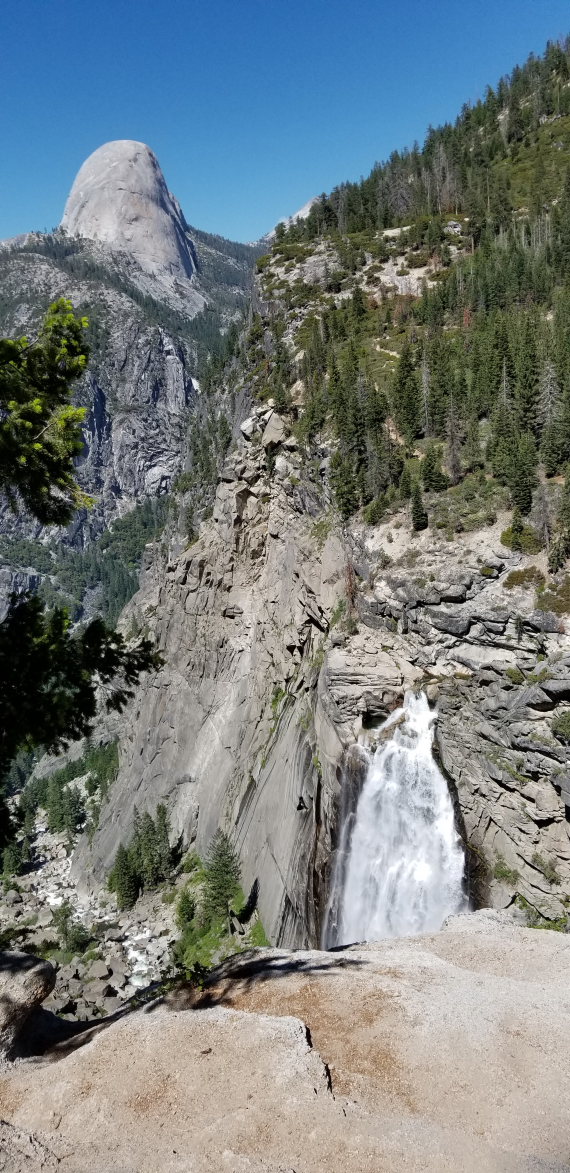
column 338, row 612
column 561, row 727
column 257, row 936
column 416, row 260
column 12, row 860
column 191, row 862
column 555, row 597
column 534, row 919
column 515, row 675
column 321, row 530
column 527, row 540
column 528, row 577
column 374, row 512
column 547, row 867
column 74, row 937
column 502, row 871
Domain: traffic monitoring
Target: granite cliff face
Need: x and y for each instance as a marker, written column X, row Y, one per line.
column 271, row 676
column 157, row 295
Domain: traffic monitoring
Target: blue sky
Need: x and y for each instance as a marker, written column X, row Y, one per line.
column 252, row 106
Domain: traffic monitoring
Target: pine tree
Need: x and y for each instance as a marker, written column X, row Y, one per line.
column 549, row 400
column 523, row 479
column 426, row 383
column 563, row 517
column 419, row 515
column 405, row 483
column 185, row 909
column 344, row 485
column 222, row 877
column 559, row 549
column 55, row 805
column 453, row 446
column 12, row 859
column 336, row 392
column 123, row 880
column 527, row 377
column 150, row 867
column 358, row 306
column 543, row 523
column 517, row 529
column 433, row 477
column 406, row 396
column 73, row 810
column 472, row 454
column 164, row 854
column 554, row 447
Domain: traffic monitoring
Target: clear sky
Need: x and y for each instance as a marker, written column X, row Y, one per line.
column 252, row 106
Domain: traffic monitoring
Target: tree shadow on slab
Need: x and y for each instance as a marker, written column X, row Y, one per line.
column 243, row 971
column 51, row 1038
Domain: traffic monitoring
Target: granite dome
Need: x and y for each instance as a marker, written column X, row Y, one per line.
column 120, row 198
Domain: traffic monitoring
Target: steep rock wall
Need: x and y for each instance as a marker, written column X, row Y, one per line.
column 227, row 731
column 263, row 694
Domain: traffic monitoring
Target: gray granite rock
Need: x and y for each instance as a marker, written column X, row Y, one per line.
column 25, row 982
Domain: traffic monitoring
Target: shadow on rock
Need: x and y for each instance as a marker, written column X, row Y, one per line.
column 243, row 971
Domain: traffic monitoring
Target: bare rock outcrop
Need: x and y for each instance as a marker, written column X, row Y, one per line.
column 436, row 1053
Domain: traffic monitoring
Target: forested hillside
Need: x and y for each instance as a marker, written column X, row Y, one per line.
column 507, row 150
column 435, row 354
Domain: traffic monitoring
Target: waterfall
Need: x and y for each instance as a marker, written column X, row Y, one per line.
column 401, row 866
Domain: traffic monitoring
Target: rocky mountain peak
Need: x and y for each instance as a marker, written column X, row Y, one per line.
column 120, row 198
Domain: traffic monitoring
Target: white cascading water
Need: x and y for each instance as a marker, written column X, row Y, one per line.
column 404, row 872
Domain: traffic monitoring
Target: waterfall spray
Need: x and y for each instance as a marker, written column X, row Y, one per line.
column 403, row 868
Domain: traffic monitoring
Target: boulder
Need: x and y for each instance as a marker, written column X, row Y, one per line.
column 453, row 622
column 98, row 970
column 12, row 897
column 25, row 981
column 274, row 432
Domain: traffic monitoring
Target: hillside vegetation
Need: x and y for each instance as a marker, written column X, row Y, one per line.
column 419, row 321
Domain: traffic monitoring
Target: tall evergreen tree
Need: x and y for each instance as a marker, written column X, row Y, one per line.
column 123, row 880
column 523, row 479
column 222, row 876
column 163, row 851
column 433, row 477
column 344, row 485
column 406, row 396
column 419, row 515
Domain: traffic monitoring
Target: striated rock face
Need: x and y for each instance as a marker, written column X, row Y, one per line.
column 120, row 197
column 227, row 732
column 374, row 1058
column 248, row 722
